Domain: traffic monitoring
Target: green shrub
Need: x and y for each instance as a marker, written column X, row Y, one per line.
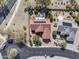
column 54, row 34
column 50, row 16
column 36, row 40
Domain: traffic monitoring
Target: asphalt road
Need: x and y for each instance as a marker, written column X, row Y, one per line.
column 5, row 9
column 26, row 52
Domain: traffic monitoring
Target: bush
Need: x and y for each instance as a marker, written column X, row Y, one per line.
column 12, row 53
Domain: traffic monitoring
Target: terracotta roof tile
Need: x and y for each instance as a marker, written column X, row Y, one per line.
column 46, row 34
column 39, row 29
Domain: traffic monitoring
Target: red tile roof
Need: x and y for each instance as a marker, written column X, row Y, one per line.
column 46, row 34
column 41, row 26
column 39, row 29
column 34, row 26
column 45, row 28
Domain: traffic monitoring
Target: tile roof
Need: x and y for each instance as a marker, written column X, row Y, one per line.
column 43, row 26
column 39, row 29
column 34, row 26
column 46, row 34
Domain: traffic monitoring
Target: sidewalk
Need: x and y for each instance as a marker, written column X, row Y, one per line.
column 43, row 57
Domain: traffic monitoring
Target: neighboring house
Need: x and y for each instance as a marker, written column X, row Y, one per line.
column 41, row 26
column 67, row 27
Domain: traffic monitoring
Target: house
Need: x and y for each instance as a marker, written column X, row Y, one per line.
column 41, row 26
column 67, row 27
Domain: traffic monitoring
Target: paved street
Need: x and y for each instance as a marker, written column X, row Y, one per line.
column 5, row 9
column 26, row 52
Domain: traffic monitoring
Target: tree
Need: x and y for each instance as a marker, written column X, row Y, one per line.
column 68, row 7
column 36, row 10
column 63, row 43
column 30, row 42
column 12, row 53
column 50, row 16
column 46, row 2
column 36, row 40
column 30, row 11
column 54, row 34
